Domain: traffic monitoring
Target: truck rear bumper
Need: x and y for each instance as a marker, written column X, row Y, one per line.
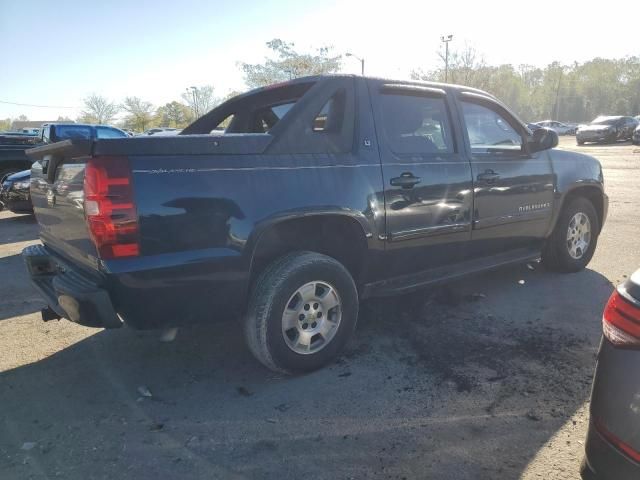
column 68, row 293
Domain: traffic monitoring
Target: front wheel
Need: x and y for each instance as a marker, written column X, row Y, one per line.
column 573, row 241
column 302, row 311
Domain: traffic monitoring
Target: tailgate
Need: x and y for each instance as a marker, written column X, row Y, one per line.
column 58, row 198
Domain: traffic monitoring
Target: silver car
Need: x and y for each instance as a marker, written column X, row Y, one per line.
column 558, row 127
column 612, row 450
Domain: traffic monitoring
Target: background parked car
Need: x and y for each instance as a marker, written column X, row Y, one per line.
column 155, row 131
column 607, row 129
column 558, row 127
column 14, row 187
column 12, row 156
column 14, row 193
column 635, row 138
column 612, row 449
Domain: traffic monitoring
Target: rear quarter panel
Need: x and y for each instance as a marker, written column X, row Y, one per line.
column 201, row 216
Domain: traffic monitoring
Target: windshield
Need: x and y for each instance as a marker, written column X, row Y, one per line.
column 605, row 121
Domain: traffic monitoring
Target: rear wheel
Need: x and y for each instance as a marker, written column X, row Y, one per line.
column 302, row 311
column 573, row 241
column 580, row 142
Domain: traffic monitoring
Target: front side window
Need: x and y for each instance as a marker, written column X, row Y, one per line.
column 415, row 124
column 489, row 131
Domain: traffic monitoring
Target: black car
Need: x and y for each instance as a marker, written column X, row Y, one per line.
column 14, row 193
column 612, row 450
column 320, row 192
column 607, row 129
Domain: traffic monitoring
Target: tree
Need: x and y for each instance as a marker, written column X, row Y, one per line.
column 64, row 119
column 22, row 118
column 174, row 114
column 573, row 93
column 98, row 109
column 200, row 99
column 289, row 64
column 5, row 124
column 140, row 113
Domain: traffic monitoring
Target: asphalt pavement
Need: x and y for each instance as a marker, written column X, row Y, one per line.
column 487, row 379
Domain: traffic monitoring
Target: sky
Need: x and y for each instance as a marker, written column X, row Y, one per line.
column 58, row 52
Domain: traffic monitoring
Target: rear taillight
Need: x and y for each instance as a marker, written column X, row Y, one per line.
column 621, row 321
column 109, row 207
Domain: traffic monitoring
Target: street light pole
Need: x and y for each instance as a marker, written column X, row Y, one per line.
column 357, row 58
column 446, row 39
column 195, row 100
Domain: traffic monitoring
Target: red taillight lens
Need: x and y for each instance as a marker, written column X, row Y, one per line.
column 615, row 441
column 109, row 207
column 621, row 321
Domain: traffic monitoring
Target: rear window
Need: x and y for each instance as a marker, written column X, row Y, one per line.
column 266, row 118
column 66, row 132
column 257, row 112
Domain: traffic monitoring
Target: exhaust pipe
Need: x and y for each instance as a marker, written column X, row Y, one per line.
column 49, row 314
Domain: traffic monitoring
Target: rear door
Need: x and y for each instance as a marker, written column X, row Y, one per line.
column 427, row 181
column 513, row 188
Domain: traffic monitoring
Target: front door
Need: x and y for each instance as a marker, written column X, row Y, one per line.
column 427, row 181
column 514, row 189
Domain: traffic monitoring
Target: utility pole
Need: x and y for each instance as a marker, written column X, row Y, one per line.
column 557, row 102
column 357, row 58
column 446, row 39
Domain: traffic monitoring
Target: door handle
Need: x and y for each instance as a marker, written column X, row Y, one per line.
column 405, row 180
column 488, row 176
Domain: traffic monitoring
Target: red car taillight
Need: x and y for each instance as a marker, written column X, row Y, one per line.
column 621, row 321
column 109, row 207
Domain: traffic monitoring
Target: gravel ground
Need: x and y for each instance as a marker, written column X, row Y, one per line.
column 489, row 382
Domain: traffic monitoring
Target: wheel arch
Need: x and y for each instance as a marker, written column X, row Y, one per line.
column 592, row 192
column 341, row 235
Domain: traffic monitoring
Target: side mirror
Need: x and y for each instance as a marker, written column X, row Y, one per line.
column 543, row 139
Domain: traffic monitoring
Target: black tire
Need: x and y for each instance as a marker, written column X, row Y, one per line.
column 555, row 255
column 580, row 142
column 269, row 297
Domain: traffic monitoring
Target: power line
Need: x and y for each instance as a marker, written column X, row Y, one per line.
column 31, row 105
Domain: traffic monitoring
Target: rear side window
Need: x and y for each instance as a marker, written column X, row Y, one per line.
column 331, row 116
column 488, row 130
column 416, row 124
column 105, row 132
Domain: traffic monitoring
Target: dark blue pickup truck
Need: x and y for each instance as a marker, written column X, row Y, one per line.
column 321, row 191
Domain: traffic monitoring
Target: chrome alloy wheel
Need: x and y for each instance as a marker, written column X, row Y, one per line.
column 578, row 235
column 311, row 317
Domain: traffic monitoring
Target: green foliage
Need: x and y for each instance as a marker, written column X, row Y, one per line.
column 5, row 124
column 289, row 64
column 174, row 114
column 572, row 93
column 140, row 114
